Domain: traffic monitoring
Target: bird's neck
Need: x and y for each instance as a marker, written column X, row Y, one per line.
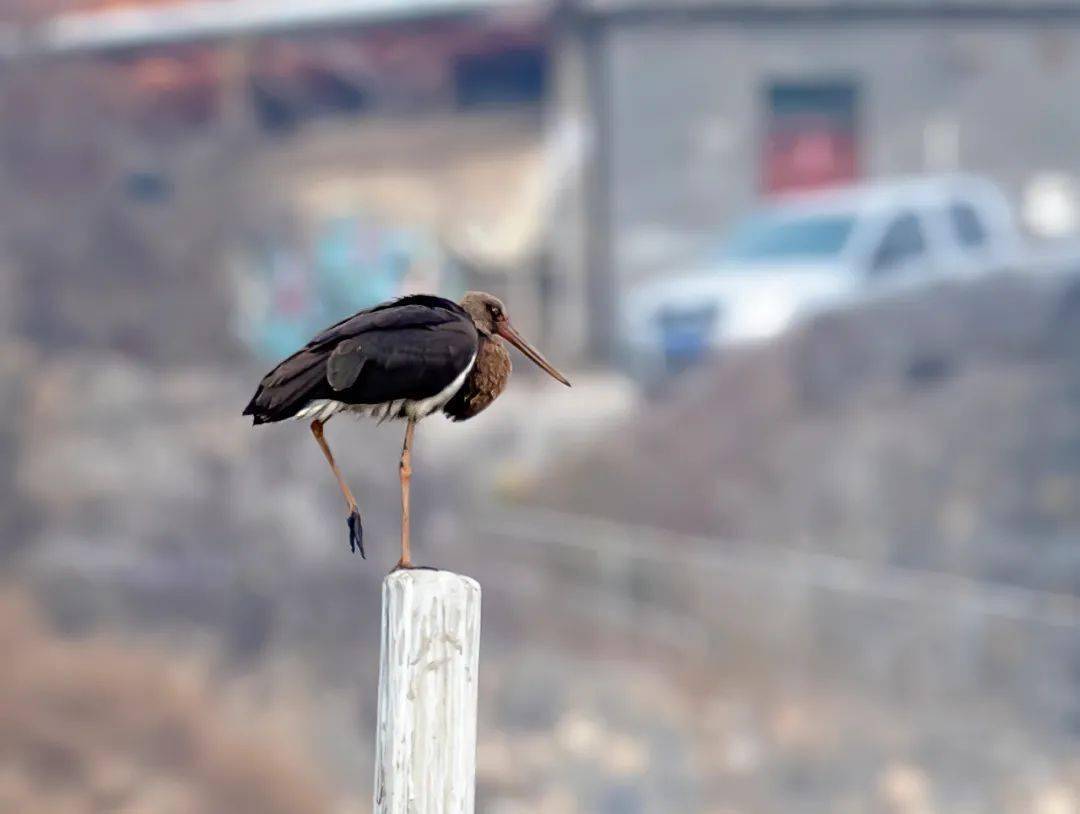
column 487, row 379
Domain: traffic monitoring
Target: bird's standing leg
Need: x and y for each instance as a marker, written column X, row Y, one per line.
column 356, row 528
column 406, row 477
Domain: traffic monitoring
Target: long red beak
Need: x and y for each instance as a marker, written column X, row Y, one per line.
column 506, row 330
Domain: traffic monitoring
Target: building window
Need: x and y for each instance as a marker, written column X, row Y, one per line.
column 516, row 76
column 811, row 135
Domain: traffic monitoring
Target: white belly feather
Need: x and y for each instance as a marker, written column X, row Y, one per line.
column 322, row 409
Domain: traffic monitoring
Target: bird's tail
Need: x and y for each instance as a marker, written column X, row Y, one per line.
column 287, row 388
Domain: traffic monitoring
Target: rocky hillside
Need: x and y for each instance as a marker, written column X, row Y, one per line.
column 939, row 430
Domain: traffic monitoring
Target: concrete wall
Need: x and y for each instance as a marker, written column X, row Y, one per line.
column 8, row 292
column 568, row 122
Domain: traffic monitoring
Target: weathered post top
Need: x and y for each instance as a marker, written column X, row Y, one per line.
column 425, row 760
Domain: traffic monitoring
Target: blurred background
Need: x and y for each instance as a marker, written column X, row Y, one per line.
column 803, row 537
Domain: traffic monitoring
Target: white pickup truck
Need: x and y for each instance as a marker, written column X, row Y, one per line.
column 799, row 255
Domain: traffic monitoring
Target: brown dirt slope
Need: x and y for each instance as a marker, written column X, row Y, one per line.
column 88, row 727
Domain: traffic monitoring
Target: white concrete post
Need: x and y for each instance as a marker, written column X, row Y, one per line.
column 425, row 758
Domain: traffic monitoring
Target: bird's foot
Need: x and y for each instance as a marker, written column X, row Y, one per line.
column 356, row 533
column 408, row 566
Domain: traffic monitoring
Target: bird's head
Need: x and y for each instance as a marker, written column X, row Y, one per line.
column 489, row 315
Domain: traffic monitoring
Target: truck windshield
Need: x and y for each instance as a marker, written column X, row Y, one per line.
column 774, row 236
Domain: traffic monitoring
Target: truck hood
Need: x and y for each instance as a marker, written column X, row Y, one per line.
column 751, row 302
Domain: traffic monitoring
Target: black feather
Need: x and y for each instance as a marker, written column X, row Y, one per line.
column 411, row 348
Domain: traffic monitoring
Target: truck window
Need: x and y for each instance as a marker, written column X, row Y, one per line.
column 903, row 242
column 967, row 227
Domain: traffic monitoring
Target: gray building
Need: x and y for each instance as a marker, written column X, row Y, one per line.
column 646, row 126
column 697, row 109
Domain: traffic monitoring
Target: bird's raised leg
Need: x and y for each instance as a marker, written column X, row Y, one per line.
column 356, row 527
column 406, row 476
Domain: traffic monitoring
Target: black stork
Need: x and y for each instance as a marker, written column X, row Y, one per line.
column 404, row 359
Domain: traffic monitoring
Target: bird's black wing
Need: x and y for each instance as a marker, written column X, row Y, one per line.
column 411, row 348
column 400, row 362
column 417, row 310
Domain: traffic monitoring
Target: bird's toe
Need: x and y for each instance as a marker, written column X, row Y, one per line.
column 356, row 533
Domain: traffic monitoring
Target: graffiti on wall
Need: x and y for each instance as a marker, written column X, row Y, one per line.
column 292, row 283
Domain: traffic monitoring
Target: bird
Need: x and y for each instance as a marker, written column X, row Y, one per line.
column 405, row 359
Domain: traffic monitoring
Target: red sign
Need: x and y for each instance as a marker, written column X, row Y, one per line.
column 809, row 158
